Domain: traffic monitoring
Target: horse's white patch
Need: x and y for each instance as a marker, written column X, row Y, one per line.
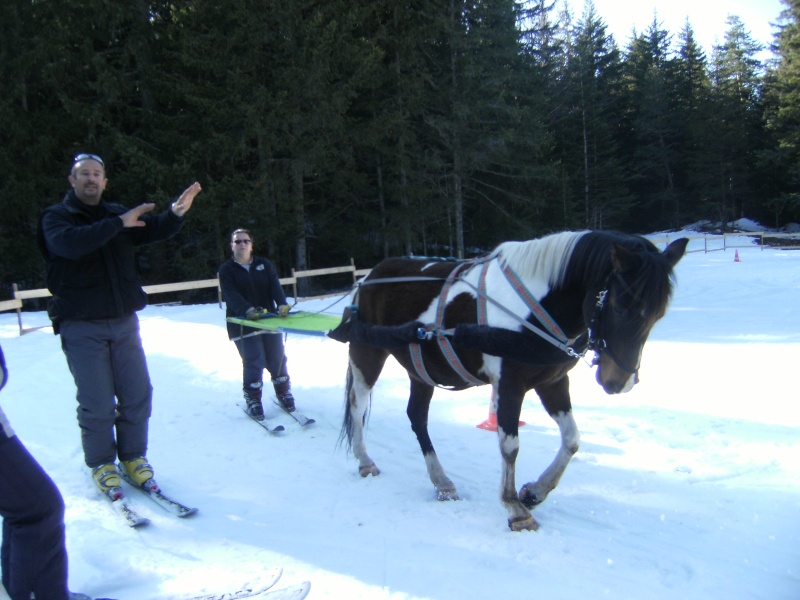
column 509, row 444
column 629, row 384
column 570, row 436
column 360, row 386
column 491, row 367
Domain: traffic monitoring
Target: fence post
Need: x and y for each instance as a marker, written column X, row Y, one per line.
column 19, row 308
column 294, row 284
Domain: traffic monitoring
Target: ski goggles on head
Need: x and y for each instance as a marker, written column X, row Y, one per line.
column 79, row 157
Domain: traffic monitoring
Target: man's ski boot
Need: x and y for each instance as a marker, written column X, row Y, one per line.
column 107, row 479
column 140, row 472
column 283, row 392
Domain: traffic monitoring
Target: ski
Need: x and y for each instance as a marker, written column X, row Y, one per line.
column 264, row 424
column 156, row 495
column 295, row 414
column 273, row 575
column 295, row 592
column 122, row 507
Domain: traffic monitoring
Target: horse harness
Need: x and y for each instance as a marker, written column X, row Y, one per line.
column 551, row 331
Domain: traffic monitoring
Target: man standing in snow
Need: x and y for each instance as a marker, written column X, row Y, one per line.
column 250, row 287
column 89, row 247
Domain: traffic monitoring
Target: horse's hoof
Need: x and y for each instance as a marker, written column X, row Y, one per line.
column 369, row 470
column 528, row 498
column 523, row 524
column 445, row 495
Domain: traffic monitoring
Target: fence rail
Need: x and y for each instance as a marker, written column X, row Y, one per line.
column 721, row 242
column 16, row 303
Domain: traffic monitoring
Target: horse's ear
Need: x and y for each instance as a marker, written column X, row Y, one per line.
column 621, row 257
column 675, row 251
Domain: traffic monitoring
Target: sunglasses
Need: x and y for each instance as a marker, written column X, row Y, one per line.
column 237, row 242
column 81, row 157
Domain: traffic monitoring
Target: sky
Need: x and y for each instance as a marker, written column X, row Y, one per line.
column 686, row 487
column 707, row 18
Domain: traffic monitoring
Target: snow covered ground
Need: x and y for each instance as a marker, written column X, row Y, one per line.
column 687, row 487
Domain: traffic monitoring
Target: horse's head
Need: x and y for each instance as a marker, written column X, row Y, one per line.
column 635, row 295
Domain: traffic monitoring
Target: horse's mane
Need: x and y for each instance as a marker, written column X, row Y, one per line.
column 542, row 258
column 585, row 257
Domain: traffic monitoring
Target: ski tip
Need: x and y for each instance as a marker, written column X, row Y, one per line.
column 295, row 592
column 141, row 522
column 188, row 513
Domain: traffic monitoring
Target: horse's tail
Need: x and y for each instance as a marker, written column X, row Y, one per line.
column 346, row 434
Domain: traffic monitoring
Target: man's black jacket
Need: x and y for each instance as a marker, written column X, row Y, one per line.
column 90, row 256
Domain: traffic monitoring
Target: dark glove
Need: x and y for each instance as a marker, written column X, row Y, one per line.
column 254, row 314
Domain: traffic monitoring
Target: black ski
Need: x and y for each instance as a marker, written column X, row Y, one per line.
column 295, row 414
column 156, row 495
column 264, row 424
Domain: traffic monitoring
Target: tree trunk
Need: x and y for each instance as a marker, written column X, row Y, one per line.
column 382, row 208
column 298, row 206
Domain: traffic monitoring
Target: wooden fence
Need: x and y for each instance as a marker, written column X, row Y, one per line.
column 19, row 296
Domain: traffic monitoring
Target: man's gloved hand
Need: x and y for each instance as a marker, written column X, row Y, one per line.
column 283, row 310
column 254, row 314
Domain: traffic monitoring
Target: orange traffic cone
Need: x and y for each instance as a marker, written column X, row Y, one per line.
column 736, row 257
column 490, row 424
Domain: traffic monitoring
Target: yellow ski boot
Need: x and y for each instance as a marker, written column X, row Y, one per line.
column 107, row 479
column 140, row 473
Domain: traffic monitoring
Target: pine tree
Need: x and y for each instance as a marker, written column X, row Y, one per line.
column 649, row 72
column 692, row 118
column 599, row 177
column 782, row 116
column 736, row 118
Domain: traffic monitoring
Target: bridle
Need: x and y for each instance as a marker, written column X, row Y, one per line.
column 597, row 340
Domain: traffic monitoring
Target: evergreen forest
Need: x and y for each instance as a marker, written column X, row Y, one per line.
column 362, row 129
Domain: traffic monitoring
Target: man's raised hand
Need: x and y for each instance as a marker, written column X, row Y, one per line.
column 131, row 218
column 182, row 205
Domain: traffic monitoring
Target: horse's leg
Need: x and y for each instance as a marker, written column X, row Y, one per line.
column 556, row 401
column 419, row 402
column 509, row 405
column 365, row 365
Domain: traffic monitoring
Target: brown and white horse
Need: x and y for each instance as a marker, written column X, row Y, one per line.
column 517, row 319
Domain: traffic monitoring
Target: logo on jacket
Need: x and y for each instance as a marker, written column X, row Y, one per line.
column 260, row 268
